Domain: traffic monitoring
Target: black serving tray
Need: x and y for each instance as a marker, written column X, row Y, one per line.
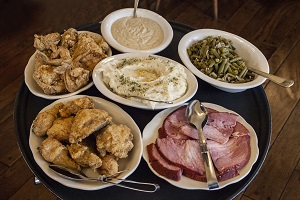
column 251, row 104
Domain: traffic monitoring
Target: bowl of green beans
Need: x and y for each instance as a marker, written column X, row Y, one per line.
column 221, row 59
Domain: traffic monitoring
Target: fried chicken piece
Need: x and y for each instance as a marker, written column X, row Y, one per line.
column 44, row 120
column 72, row 107
column 55, row 152
column 69, row 38
column 87, row 53
column 84, row 155
column 61, row 128
column 115, row 139
column 61, row 55
column 86, row 122
column 50, row 81
column 46, row 42
column 109, row 166
column 76, row 78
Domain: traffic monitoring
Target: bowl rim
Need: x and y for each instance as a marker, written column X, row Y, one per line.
column 193, row 36
column 125, row 12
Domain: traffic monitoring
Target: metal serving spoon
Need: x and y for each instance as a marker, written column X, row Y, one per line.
column 158, row 101
column 276, row 79
column 196, row 115
column 80, row 176
column 136, row 2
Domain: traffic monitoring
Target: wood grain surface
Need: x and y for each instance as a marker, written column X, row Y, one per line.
column 271, row 25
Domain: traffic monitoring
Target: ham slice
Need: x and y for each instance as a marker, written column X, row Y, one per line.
column 185, row 154
column 231, row 156
column 177, row 151
column 161, row 166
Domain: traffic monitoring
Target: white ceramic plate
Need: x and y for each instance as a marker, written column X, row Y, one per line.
column 150, row 133
column 112, row 17
column 252, row 55
column 130, row 163
column 101, row 86
column 37, row 90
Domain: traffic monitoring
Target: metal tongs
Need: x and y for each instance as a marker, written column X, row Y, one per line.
column 80, row 176
column 196, row 115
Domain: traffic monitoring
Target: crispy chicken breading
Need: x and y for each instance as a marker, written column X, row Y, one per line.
column 115, row 139
column 86, row 122
column 44, row 120
column 84, row 155
column 87, row 52
column 50, row 81
column 109, row 166
column 65, row 62
column 72, row 107
column 55, row 152
column 61, row 129
column 76, row 78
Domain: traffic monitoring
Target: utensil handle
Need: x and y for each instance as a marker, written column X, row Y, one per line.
column 276, row 79
column 211, row 177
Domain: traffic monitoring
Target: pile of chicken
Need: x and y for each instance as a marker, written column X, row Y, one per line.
column 64, row 63
column 78, row 135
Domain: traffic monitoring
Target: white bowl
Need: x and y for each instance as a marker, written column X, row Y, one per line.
column 126, row 12
column 35, row 89
column 192, row 84
column 129, row 164
column 250, row 54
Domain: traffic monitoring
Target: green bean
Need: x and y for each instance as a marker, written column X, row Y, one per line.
column 216, row 57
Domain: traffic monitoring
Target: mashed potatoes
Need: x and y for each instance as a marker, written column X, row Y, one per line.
column 150, row 77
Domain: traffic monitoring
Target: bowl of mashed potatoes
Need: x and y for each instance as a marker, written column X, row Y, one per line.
column 146, row 33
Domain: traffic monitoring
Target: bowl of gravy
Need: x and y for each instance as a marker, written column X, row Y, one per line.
column 147, row 33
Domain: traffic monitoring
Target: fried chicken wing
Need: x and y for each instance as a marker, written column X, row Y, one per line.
column 55, row 152
column 87, row 52
column 69, row 38
column 84, row 155
column 115, row 139
column 50, row 81
column 44, row 120
column 109, row 166
column 72, row 107
column 46, row 42
column 61, row 128
column 86, row 122
column 76, row 78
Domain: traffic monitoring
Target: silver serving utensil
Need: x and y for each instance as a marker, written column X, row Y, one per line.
column 196, row 115
column 158, row 101
column 136, row 2
column 80, row 176
column 276, row 79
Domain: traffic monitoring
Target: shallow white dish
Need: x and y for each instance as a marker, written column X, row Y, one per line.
column 101, row 86
column 112, row 17
column 251, row 54
column 120, row 117
column 150, row 133
column 37, row 90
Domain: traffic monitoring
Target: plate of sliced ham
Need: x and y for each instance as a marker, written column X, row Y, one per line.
column 172, row 151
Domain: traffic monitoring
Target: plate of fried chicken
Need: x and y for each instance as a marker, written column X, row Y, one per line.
column 62, row 64
column 87, row 134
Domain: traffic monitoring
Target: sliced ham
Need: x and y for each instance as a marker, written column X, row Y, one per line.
column 231, row 156
column 177, row 146
column 184, row 154
column 161, row 166
column 176, row 126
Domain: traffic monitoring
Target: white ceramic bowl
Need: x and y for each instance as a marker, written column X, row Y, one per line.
column 38, row 91
column 126, row 12
column 129, row 164
column 250, row 54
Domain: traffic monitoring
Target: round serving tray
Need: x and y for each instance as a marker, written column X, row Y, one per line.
column 251, row 104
